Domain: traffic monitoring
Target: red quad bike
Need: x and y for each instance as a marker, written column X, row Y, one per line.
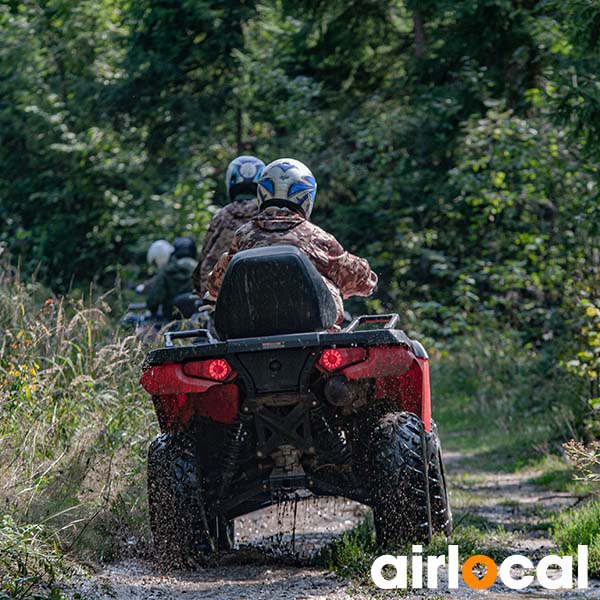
column 278, row 404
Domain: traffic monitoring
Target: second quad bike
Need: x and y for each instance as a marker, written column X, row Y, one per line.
column 187, row 311
column 279, row 402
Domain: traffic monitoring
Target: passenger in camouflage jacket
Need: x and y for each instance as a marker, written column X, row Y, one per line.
column 219, row 236
column 344, row 274
column 241, row 178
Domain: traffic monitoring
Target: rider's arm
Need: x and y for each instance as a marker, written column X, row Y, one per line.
column 211, row 236
column 352, row 275
column 215, row 279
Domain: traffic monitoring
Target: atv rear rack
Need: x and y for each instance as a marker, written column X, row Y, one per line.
column 208, row 345
column 390, row 321
column 188, row 333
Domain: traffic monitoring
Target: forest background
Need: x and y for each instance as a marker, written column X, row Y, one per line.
column 456, row 145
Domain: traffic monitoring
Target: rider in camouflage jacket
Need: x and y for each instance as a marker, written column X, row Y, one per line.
column 344, row 274
column 219, row 236
column 242, row 174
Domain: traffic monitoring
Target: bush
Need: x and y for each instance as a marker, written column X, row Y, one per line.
column 513, row 402
column 352, row 554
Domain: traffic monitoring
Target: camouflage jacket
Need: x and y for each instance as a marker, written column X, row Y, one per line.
column 344, row 274
column 219, row 236
column 173, row 279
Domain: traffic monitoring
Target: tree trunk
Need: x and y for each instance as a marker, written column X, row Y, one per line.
column 239, row 132
column 419, row 29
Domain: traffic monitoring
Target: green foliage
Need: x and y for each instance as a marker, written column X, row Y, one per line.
column 525, row 220
column 575, row 92
column 30, row 564
column 506, row 404
column 79, row 186
column 586, row 363
column 580, row 526
column 56, row 157
column 429, row 127
column 352, row 554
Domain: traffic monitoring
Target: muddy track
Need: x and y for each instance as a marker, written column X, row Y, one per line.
column 276, row 543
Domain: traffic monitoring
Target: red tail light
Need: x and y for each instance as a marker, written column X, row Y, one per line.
column 217, row 369
column 334, row 359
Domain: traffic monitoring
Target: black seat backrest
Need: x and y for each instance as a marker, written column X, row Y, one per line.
column 272, row 291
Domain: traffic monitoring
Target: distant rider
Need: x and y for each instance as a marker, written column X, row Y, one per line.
column 174, row 275
column 286, row 196
column 242, row 174
column 157, row 256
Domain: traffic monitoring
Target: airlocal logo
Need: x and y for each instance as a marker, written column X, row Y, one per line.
column 492, row 572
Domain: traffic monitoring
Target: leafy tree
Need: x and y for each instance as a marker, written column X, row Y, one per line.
column 575, row 89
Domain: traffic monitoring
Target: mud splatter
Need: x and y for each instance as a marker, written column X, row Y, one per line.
column 275, row 546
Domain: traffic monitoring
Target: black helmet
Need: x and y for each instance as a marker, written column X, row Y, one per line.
column 184, row 247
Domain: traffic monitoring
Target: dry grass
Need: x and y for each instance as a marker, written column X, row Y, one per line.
column 74, row 422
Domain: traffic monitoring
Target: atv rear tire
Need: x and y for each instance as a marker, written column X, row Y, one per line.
column 441, row 514
column 399, row 496
column 181, row 531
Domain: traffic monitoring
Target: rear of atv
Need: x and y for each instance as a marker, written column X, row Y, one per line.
column 252, row 421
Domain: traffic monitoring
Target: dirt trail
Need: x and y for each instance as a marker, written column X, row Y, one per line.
column 512, row 502
column 496, row 498
column 280, row 535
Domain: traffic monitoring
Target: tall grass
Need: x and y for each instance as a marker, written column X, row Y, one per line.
column 74, row 423
column 30, row 563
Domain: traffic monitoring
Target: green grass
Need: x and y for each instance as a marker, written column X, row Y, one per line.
column 30, row 563
column 501, row 405
column 353, row 554
column 580, row 526
column 475, row 539
column 559, row 476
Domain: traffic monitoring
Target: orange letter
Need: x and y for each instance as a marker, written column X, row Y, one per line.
column 487, row 580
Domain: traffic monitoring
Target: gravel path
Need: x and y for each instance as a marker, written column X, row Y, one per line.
column 505, row 499
column 268, row 536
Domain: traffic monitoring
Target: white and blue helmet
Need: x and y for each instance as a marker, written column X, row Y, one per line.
column 242, row 174
column 287, row 181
